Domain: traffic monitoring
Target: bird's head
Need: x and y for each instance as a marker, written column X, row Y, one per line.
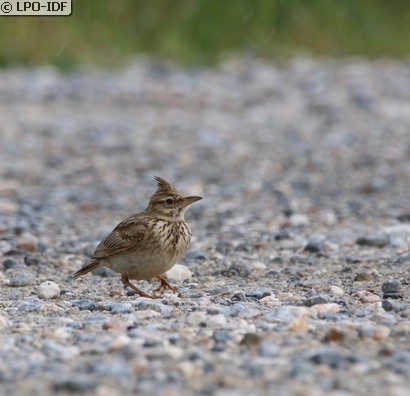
column 169, row 203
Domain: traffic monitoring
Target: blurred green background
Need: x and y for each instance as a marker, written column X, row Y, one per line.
column 108, row 32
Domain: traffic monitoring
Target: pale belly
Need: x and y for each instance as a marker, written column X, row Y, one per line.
column 149, row 263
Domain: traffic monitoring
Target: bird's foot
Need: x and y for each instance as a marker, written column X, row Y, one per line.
column 164, row 284
column 127, row 282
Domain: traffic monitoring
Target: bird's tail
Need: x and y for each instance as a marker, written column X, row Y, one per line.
column 85, row 270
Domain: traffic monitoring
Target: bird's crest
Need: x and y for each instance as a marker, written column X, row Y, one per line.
column 164, row 188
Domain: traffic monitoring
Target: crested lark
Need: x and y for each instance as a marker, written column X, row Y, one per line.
column 147, row 244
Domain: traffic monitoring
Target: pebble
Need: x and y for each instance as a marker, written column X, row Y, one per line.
column 4, row 322
column 27, row 242
column 309, row 302
column 85, row 305
column 336, row 291
column 197, row 319
column 259, row 293
column 48, row 290
column 21, row 278
column 10, row 262
column 373, row 240
column 5, row 247
column 367, row 297
column 196, row 255
column 179, row 273
column 391, row 288
column 122, row 308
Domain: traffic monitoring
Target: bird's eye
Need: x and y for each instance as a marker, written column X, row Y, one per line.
column 169, row 201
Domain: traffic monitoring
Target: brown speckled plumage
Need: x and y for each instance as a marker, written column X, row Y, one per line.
column 147, row 244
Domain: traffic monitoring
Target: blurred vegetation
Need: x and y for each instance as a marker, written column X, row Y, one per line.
column 107, row 32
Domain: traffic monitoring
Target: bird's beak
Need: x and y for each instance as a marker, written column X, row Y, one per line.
column 190, row 200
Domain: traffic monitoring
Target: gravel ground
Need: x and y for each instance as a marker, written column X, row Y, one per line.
column 298, row 280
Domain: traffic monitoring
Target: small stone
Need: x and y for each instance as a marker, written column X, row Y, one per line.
column 10, row 262
column 221, row 336
column 179, row 273
column 259, row 293
column 323, row 309
column 258, row 266
column 27, row 242
column 216, row 321
column 392, row 305
column 34, row 260
column 374, row 240
column 48, row 290
column 112, row 325
column 123, row 308
column 76, row 384
column 309, row 302
column 336, row 291
column 237, row 269
column 198, row 319
column 21, row 278
column 367, row 297
column 196, row 255
column 298, row 220
column 299, row 325
column 404, row 218
column 251, row 340
column 5, row 247
column 392, row 286
column 119, row 342
column 364, row 277
column 4, row 322
column 7, row 206
column 30, row 306
column 334, row 335
column 85, row 305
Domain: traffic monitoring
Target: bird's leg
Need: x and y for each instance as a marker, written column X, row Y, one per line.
column 164, row 284
column 127, row 282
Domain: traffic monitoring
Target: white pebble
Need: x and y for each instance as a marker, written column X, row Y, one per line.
column 216, row 321
column 197, row 318
column 179, row 273
column 336, row 291
column 48, row 289
column 4, row 322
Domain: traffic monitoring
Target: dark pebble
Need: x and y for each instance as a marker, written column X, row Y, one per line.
column 76, row 384
column 196, row 255
column 85, row 305
column 315, row 300
column 331, row 357
column 313, row 247
column 392, row 305
column 10, row 262
column 237, row 269
column 404, row 218
column 373, row 240
column 121, row 309
column 34, row 260
column 391, row 286
column 259, row 293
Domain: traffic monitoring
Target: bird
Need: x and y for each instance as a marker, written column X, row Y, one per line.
column 147, row 244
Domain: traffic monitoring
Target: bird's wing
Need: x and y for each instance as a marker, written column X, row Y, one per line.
column 127, row 235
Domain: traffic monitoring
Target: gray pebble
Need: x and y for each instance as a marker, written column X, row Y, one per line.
column 391, row 286
column 21, row 278
column 373, row 240
column 315, row 300
column 85, row 305
column 259, row 293
column 122, row 308
column 10, row 262
column 76, row 384
column 196, row 255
